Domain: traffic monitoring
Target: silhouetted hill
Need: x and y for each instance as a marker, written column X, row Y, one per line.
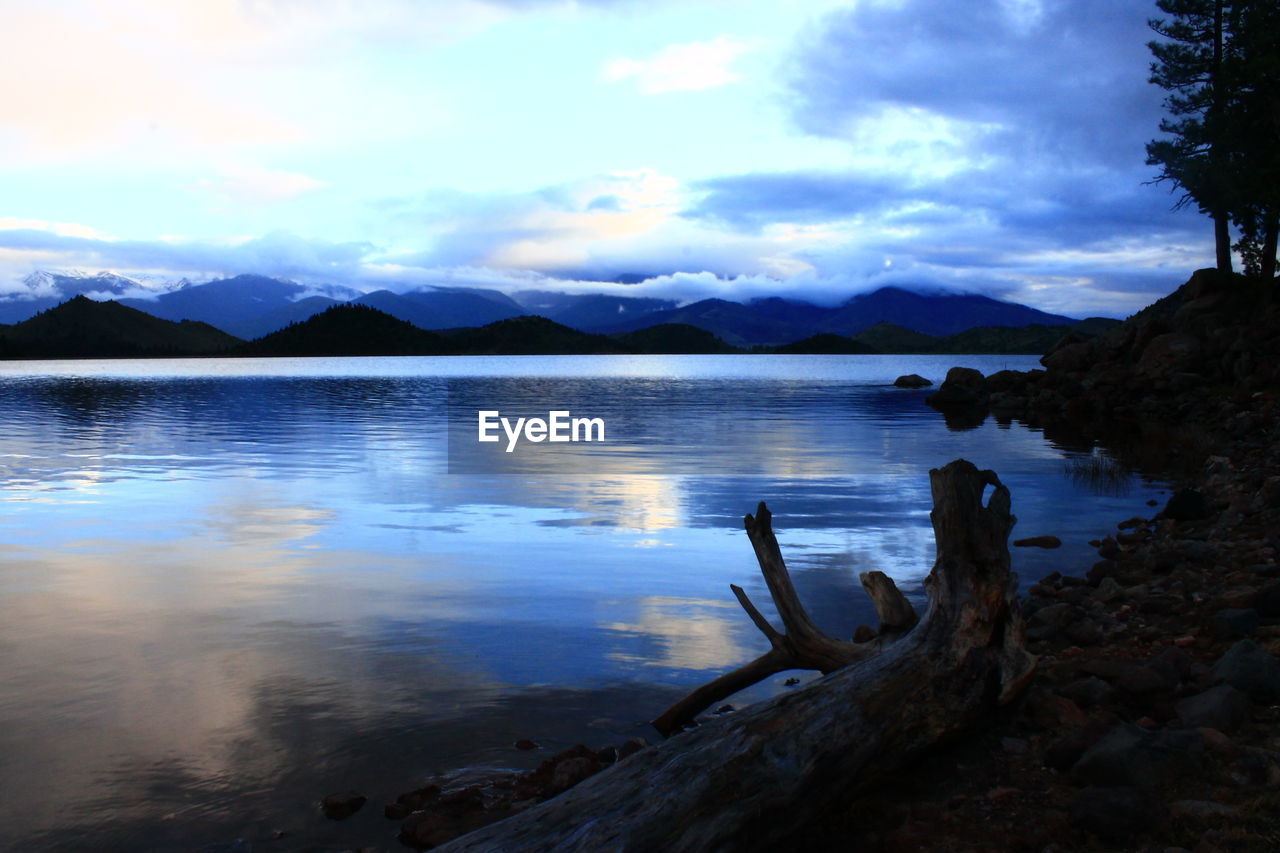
column 347, row 330
column 529, row 336
column 1002, row 340
column 826, row 344
column 888, row 337
column 674, row 339
column 83, row 328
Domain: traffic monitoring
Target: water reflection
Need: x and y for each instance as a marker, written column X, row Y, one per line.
column 228, row 592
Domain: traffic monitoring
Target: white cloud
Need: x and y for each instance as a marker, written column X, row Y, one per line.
column 682, row 67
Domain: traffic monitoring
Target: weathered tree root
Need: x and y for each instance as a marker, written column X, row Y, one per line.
column 747, row 780
column 803, row 646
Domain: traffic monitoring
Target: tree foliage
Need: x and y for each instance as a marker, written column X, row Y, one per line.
column 1220, row 63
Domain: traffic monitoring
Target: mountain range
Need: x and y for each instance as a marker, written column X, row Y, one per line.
column 251, row 306
column 85, row 328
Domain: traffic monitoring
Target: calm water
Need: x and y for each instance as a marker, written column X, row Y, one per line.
column 232, row 586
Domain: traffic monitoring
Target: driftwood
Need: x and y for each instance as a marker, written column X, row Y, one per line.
column 803, row 646
column 747, row 780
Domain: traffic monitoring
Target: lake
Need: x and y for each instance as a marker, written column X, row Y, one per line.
column 231, row 586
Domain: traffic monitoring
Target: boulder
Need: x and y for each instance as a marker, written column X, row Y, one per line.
column 911, row 380
column 1114, row 814
column 1131, row 755
column 1187, row 505
column 343, row 805
column 963, row 386
column 1223, row 708
column 1251, row 669
column 1071, row 358
column 1172, row 352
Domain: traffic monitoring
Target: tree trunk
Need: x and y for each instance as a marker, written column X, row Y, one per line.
column 1270, row 227
column 746, row 781
column 1222, row 239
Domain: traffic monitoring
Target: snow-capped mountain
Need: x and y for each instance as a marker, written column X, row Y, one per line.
column 69, row 283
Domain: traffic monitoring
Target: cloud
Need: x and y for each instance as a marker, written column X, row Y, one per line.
column 23, row 250
column 681, row 67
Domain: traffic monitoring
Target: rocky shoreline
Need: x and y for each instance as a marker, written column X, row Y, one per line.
column 1153, row 721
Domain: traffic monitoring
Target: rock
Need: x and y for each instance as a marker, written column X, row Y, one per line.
column 571, row 771
column 396, row 811
column 1088, row 692
column 1234, row 623
column 1131, row 755
column 1201, row 809
column 1113, row 814
column 1009, row 380
column 1014, row 745
column 1135, row 679
column 1038, row 542
column 1051, row 711
column 864, row 634
column 911, row 380
column 1048, row 621
column 343, row 805
column 631, row 747
column 1222, row 707
column 525, row 744
column 963, row 386
column 1186, row 505
column 1250, row 669
column 1108, row 590
column 1174, row 352
column 1084, row 632
column 1267, row 601
column 1071, row 358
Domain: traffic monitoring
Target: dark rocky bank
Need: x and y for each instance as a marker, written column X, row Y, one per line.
column 1152, row 721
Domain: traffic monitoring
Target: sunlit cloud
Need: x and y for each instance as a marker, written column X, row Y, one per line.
column 681, row 67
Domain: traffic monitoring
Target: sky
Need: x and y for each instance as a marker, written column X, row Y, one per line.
column 802, row 148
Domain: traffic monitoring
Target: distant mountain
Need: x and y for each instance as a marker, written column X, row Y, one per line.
column 529, row 336
column 278, row 318
column 235, row 304
column 590, row 312
column 346, row 330
column 768, row 322
column 775, row 321
column 674, row 339
column 933, row 314
column 83, row 328
column 444, row 308
column 43, row 290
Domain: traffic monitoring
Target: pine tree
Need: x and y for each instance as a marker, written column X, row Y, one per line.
column 1190, row 65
